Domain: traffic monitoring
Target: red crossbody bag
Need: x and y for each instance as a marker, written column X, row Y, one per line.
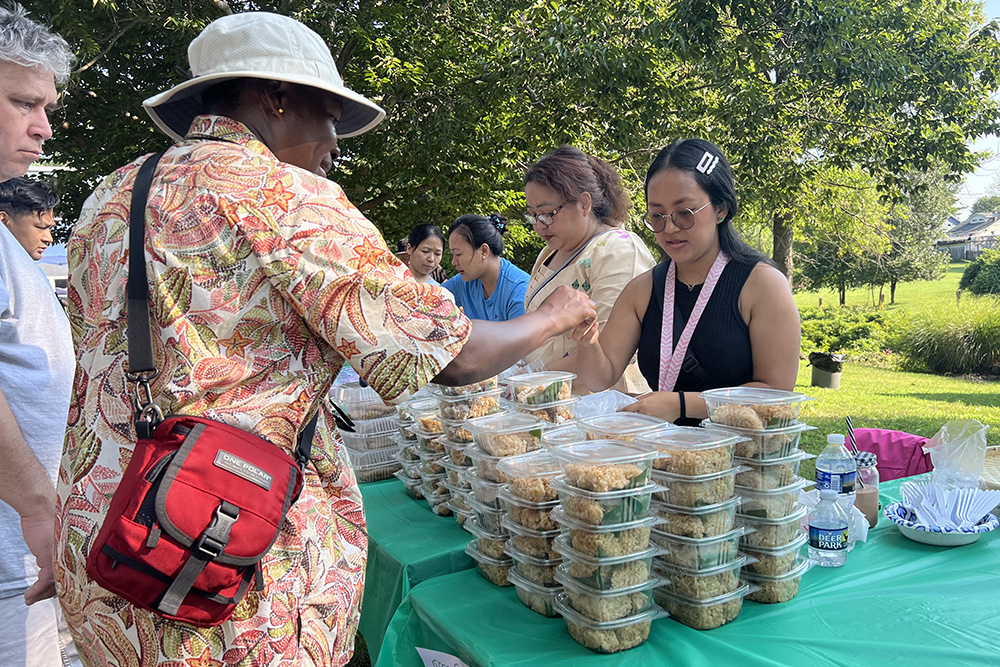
column 201, row 502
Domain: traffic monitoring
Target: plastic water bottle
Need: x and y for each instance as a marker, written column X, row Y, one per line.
column 836, row 469
column 828, row 531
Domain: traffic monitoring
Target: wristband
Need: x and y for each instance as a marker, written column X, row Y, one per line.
column 680, row 395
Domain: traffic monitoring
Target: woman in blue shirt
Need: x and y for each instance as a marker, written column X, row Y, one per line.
column 487, row 287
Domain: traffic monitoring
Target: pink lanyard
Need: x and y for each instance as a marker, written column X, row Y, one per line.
column 671, row 360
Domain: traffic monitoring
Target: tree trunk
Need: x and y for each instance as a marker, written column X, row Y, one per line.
column 842, row 290
column 892, row 292
column 782, row 248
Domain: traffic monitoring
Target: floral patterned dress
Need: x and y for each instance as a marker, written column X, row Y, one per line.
column 264, row 280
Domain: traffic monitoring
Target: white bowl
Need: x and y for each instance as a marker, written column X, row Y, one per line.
column 904, row 518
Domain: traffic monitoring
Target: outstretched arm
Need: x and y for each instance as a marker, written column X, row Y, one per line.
column 25, row 486
column 496, row 346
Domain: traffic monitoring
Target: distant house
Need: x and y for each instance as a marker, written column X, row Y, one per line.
column 967, row 240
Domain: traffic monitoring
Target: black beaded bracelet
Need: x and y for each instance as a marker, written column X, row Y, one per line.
column 684, row 413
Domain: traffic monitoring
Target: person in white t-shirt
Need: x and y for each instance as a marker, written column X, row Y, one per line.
column 36, row 363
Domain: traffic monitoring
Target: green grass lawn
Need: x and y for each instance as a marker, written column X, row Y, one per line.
column 909, row 296
column 878, row 398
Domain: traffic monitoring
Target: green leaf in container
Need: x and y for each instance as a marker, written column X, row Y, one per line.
column 547, row 395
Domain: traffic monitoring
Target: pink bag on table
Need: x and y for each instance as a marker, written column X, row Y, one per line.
column 899, row 454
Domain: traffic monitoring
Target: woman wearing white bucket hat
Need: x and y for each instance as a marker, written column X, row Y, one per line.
column 263, row 280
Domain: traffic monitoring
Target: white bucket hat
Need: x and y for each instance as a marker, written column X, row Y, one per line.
column 258, row 45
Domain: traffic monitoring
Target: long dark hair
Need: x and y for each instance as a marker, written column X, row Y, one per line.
column 421, row 233
column 570, row 172
column 478, row 230
column 710, row 169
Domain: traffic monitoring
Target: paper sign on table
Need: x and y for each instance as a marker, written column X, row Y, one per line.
column 438, row 659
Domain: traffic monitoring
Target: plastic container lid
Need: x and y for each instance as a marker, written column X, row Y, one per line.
column 521, row 557
column 563, row 576
column 354, row 393
column 505, row 495
column 794, row 457
column 754, row 396
column 504, row 423
column 472, row 525
column 518, row 529
column 602, row 452
column 796, row 486
column 692, row 542
column 619, row 424
column 740, row 592
column 669, row 478
column 800, row 538
column 562, row 604
column 802, row 565
column 561, row 435
column 559, row 516
column 790, row 429
column 795, row 515
column 533, row 465
column 560, row 485
column 477, row 555
column 530, row 586
column 688, row 438
column 656, row 506
column 468, row 397
column 667, row 569
column 550, row 383
column 563, row 546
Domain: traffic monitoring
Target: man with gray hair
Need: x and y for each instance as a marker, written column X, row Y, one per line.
column 36, row 364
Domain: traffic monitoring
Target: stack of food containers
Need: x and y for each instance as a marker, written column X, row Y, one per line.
column 701, row 561
column 427, row 431
column 406, row 441
column 546, row 395
column 495, row 437
column 604, row 518
column 528, row 499
column 769, row 486
column 371, row 446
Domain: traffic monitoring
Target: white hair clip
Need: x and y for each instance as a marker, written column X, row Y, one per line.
column 707, row 163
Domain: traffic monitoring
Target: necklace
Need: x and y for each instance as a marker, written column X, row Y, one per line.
column 690, row 287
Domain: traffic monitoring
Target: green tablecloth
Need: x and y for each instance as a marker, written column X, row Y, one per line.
column 895, row 602
column 407, row 544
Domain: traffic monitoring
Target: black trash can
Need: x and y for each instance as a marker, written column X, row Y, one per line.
column 826, row 368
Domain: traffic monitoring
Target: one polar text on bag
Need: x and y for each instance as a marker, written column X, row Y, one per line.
column 244, row 469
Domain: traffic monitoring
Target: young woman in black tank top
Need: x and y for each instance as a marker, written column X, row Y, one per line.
column 732, row 317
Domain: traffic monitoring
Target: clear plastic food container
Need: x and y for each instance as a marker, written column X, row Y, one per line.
column 485, row 464
column 772, row 474
column 770, row 503
column 506, row 433
column 456, row 431
column 421, row 400
column 487, row 517
column 456, row 474
column 536, row 543
column 690, row 450
column 702, row 614
column 539, row 599
column 375, row 464
column 610, row 507
column 696, row 490
column 557, row 412
column 465, row 389
column 493, row 570
column 698, row 554
column 486, row 542
column 359, row 402
column 434, row 487
column 440, row 506
column 701, row 584
column 608, row 605
column 408, row 452
column 604, row 465
column 430, row 463
column 775, row 561
column 428, row 442
column 607, row 637
column 619, row 425
column 410, row 485
column 427, row 416
column 777, row 588
column 456, row 452
column 408, row 467
column 485, row 491
column 365, row 438
column 529, row 475
column 461, row 516
column 607, row 573
column 541, row 388
column 567, row 434
column 526, row 513
column 459, row 497
column 753, row 407
column 768, row 444
column 406, row 431
column 536, row 569
column 768, row 532
column 470, row 406
column 697, row 522
column 606, row 541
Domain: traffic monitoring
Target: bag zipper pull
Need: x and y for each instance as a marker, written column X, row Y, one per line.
column 154, row 537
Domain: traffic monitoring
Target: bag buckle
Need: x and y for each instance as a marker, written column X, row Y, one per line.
column 215, row 538
column 147, row 413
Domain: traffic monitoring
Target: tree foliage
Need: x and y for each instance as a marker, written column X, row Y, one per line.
column 986, row 204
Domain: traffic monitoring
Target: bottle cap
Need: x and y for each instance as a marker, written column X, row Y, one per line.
column 828, row 494
column 835, row 439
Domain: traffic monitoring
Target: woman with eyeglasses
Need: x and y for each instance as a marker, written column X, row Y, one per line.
column 577, row 204
column 727, row 310
column 488, row 286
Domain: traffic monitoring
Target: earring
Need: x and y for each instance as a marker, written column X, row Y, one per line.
column 721, row 218
column 281, row 110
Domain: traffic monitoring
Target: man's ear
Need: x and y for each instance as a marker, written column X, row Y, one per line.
column 4, row 218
